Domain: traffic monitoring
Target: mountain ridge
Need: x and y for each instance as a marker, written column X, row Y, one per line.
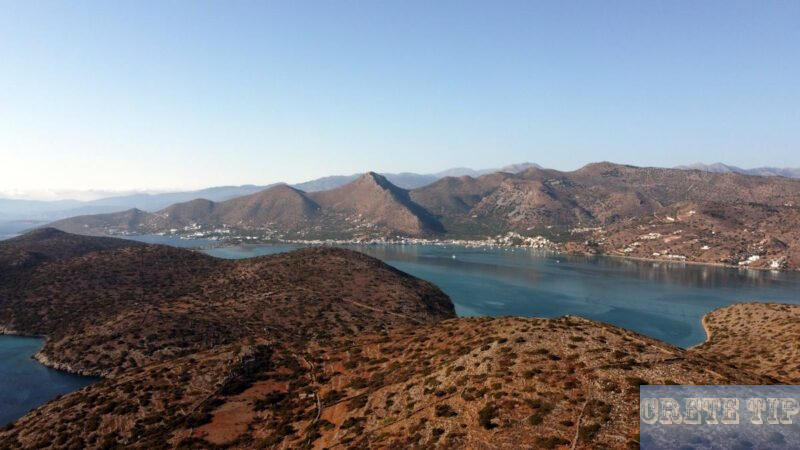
column 19, row 209
column 374, row 197
column 611, row 205
column 369, row 204
column 764, row 171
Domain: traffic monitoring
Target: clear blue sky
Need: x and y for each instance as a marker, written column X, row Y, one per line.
column 184, row 94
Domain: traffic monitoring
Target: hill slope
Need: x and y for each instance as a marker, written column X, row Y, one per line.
column 107, row 311
column 759, row 171
column 49, row 244
column 376, row 203
column 596, row 194
column 279, row 206
column 736, row 335
column 630, row 211
column 465, row 383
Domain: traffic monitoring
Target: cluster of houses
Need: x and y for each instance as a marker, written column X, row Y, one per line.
column 510, row 239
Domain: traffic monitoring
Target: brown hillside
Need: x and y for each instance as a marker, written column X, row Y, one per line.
column 729, row 218
column 373, row 199
column 280, row 206
column 130, row 221
column 370, row 205
column 109, row 311
column 187, row 213
column 597, row 194
column 466, row 383
column 277, row 207
column 756, row 337
column 751, row 234
column 46, row 244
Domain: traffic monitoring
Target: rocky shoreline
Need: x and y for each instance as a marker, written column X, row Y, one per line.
column 706, row 329
column 45, row 360
column 8, row 331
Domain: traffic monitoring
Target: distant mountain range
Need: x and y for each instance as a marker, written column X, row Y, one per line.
column 51, row 210
column 45, row 211
column 369, row 205
column 728, row 218
column 758, row 171
column 408, row 180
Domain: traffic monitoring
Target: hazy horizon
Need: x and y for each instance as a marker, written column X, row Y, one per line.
column 95, row 194
column 138, row 96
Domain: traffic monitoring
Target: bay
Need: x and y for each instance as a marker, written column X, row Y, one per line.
column 26, row 384
column 663, row 300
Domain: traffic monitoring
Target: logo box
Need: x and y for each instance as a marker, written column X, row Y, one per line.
column 719, row 417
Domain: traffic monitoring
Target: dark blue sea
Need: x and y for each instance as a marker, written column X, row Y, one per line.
column 26, row 384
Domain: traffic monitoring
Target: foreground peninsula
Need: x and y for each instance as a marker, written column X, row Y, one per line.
column 318, row 348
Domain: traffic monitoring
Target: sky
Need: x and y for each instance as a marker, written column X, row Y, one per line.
column 130, row 95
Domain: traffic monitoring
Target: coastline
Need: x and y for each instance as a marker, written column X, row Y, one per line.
column 692, row 262
column 45, row 360
column 540, row 244
column 473, row 244
column 704, row 323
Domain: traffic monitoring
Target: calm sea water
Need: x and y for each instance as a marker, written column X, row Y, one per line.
column 26, row 384
column 664, row 300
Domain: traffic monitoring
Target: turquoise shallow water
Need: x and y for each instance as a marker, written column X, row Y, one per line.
column 26, row 384
column 664, row 300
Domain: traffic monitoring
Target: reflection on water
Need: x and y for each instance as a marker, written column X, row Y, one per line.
column 660, row 299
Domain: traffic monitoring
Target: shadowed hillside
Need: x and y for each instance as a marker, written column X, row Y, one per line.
column 48, row 244
column 377, row 203
column 107, row 311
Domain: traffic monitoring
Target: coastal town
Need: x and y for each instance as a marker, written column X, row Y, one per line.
column 677, row 246
column 232, row 236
